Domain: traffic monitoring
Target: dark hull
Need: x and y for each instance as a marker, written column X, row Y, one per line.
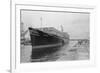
column 43, row 43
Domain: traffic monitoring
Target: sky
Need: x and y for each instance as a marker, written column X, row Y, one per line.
column 75, row 24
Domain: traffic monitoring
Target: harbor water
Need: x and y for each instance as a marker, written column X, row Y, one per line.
column 69, row 52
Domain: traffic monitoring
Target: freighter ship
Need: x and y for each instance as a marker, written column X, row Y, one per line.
column 44, row 43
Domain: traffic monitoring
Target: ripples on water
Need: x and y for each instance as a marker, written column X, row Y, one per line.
column 69, row 51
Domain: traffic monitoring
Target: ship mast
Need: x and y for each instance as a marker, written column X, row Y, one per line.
column 41, row 21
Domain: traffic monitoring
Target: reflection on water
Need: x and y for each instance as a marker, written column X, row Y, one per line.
column 72, row 51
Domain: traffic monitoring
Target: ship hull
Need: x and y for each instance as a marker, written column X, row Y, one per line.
column 43, row 43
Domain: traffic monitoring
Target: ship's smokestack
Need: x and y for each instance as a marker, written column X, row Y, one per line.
column 61, row 28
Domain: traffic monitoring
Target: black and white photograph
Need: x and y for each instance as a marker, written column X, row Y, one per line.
column 50, row 36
